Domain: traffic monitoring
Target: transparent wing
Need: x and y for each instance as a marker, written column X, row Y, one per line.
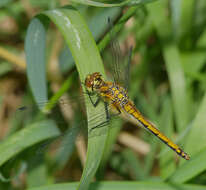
column 121, row 61
column 63, row 114
column 127, row 69
column 31, row 112
column 73, row 133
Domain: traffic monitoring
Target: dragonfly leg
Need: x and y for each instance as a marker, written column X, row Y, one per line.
column 94, row 103
column 108, row 116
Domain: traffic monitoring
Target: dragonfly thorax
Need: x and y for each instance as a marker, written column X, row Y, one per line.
column 94, row 81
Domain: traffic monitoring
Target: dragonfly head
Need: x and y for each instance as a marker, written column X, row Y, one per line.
column 93, row 81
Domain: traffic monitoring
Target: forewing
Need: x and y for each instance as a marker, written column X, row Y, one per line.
column 63, row 113
column 119, row 66
column 62, row 147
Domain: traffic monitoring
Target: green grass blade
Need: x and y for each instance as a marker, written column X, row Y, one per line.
column 130, row 12
column 37, row 176
column 102, row 17
column 102, row 4
column 177, row 82
column 190, row 169
column 27, row 137
column 186, row 20
column 173, row 62
column 198, row 57
column 196, row 139
column 112, row 137
column 134, row 164
column 35, row 58
column 88, row 60
column 167, row 164
column 125, row 185
column 196, row 147
column 175, row 16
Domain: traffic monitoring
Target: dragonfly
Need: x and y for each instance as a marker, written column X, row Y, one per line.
column 116, row 96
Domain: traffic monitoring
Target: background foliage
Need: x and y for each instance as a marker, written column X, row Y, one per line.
column 48, row 47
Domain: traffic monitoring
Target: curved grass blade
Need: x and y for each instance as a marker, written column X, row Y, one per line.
column 189, row 170
column 27, row 137
column 66, row 60
column 87, row 59
column 35, row 49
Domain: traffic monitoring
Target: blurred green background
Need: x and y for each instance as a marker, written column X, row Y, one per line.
column 46, row 49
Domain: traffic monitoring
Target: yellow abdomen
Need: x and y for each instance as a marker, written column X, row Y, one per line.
column 133, row 111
